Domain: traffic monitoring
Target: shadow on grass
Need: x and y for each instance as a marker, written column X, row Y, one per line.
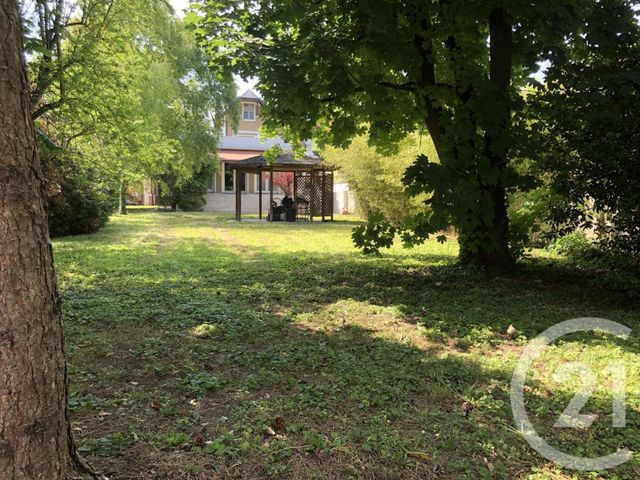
column 353, row 354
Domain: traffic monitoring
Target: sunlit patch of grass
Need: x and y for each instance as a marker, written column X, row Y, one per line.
column 203, row 330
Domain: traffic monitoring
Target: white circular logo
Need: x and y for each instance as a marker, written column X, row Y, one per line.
column 571, row 417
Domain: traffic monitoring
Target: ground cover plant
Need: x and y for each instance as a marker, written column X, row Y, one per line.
column 203, row 348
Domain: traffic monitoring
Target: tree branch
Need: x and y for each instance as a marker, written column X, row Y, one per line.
column 427, row 79
column 47, row 107
column 406, row 87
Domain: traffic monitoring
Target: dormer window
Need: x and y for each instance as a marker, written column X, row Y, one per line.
column 249, row 111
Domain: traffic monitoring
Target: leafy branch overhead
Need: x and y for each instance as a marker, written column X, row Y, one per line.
column 126, row 93
column 334, row 70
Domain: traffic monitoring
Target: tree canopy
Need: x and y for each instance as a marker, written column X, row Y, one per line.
column 121, row 92
column 335, row 69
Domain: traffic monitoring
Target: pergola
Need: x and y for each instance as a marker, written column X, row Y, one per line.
column 312, row 184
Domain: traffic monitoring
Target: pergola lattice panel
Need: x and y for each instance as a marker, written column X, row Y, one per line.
column 314, row 194
column 302, row 194
column 313, row 184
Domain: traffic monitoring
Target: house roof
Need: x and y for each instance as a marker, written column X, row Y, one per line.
column 250, row 95
column 257, row 144
column 285, row 162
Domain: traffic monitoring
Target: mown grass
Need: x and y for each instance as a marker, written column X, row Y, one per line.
column 202, row 348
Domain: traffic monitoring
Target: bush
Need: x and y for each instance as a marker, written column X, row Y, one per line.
column 77, row 200
column 579, row 249
column 575, row 245
column 187, row 195
column 376, row 177
column 589, row 152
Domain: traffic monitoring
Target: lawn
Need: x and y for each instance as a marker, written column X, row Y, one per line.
column 201, row 348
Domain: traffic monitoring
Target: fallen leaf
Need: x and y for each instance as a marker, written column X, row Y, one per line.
column 419, row 456
column 198, row 441
column 279, row 425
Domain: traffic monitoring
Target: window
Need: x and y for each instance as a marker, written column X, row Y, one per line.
column 249, row 111
column 243, row 182
column 265, row 182
column 212, row 183
column 230, row 181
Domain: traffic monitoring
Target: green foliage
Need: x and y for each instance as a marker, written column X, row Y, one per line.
column 78, row 200
column 526, row 220
column 375, row 176
column 334, row 70
column 182, row 97
column 200, row 383
column 588, row 117
column 127, row 93
column 589, row 253
column 108, row 446
column 575, row 244
column 377, row 233
column 186, row 194
column 175, row 439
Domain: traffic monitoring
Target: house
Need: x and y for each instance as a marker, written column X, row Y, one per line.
column 234, row 147
column 146, row 192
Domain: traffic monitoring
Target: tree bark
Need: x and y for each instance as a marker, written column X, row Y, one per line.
column 489, row 245
column 122, row 198
column 35, row 434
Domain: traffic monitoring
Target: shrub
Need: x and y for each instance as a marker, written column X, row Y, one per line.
column 77, row 200
column 575, row 245
column 185, row 194
column 376, row 177
column 578, row 248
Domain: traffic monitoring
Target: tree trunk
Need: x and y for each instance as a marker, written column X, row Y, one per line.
column 489, row 245
column 122, row 199
column 35, row 440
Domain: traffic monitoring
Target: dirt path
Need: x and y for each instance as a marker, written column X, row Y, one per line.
column 231, row 241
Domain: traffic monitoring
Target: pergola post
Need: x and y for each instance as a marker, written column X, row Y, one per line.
column 238, row 197
column 260, row 193
column 271, row 194
column 295, row 186
column 331, row 199
column 311, row 196
column 324, row 192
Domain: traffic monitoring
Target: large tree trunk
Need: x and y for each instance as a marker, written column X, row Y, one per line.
column 489, row 245
column 35, row 441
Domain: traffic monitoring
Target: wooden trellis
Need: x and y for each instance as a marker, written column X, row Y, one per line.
column 313, row 184
column 314, row 194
